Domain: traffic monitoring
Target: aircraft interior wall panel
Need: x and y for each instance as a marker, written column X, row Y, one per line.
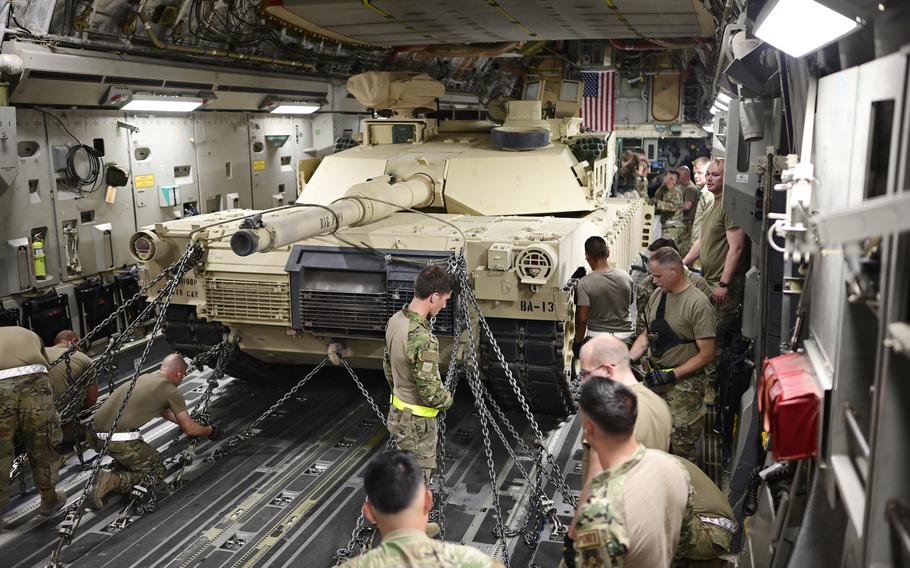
column 835, row 115
column 93, row 224
column 26, row 210
column 224, row 161
column 303, row 136
column 164, row 169
column 741, row 181
column 272, row 147
column 324, row 133
column 882, row 102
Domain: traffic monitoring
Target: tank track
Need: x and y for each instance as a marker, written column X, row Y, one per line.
column 189, row 336
column 536, row 354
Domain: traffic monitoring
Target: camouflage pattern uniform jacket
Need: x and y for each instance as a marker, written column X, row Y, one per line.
column 411, row 365
column 668, row 203
column 637, row 514
column 413, row 549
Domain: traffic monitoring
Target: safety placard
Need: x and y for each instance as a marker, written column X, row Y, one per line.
column 142, row 182
column 258, row 165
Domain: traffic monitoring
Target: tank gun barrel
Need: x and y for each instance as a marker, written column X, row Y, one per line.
column 359, row 206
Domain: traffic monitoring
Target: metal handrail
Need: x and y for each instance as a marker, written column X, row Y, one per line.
column 853, row 428
column 898, row 517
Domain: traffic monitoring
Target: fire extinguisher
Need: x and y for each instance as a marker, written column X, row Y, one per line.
column 38, row 256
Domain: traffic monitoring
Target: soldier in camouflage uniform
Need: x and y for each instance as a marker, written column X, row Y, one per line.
column 690, row 195
column 641, row 179
column 399, row 503
column 668, row 204
column 67, row 372
column 411, row 365
column 647, row 286
column 712, row 524
column 705, row 201
column 721, row 249
column 135, row 461
column 679, row 341
column 27, row 409
column 617, row 526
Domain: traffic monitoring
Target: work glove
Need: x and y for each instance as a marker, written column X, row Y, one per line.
column 658, row 377
column 217, row 431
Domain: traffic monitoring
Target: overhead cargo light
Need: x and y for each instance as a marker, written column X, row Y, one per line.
column 162, row 103
column 798, row 27
column 277, row 106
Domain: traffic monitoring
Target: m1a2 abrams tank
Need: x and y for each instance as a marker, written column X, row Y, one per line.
column 335, row 266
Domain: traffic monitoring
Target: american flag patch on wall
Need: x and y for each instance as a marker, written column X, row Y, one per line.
column 598, row 107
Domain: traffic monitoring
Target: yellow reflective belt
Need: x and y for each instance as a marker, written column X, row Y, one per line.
column 416, row 410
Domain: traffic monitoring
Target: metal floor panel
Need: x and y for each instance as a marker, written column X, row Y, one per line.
column 265, row 504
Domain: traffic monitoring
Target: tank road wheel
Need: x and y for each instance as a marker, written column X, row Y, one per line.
column 189, row 336
column 539, row 354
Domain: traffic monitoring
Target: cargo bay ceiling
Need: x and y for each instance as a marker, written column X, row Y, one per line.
column 482, row 47
column 430, row 22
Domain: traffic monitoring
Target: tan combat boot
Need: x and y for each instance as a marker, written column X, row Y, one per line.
column 433, row 530
column 107, row 481
column 51, row 502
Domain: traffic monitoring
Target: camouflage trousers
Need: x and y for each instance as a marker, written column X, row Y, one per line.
column 728, row 316
column 686, row 400
column 672, row 231
column 134, row 460
column 684, row 242
column 415, row 434
column 709, row 541
column 27, row 409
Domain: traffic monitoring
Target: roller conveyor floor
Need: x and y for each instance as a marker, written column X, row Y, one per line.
column 290, row 495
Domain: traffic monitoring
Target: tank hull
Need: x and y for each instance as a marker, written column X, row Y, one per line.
column 287, row 305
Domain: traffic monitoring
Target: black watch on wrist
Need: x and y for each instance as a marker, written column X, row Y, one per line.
column 723, row 284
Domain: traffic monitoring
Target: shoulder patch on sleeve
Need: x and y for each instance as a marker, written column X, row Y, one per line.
column 428, row 356
column 590, row 538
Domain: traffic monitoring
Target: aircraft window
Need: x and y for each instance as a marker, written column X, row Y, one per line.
column 742, row 153
column 568, row 91
column 142, row 153
column 882, row 122
column 27, row 148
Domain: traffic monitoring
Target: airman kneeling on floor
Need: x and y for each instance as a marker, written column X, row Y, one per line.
column 135, row 461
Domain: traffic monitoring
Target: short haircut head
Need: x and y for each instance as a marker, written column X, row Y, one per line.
column 596, row 247
column 433, row 279
column 173, row 363
column 606, row 349
column 667, row 256
column 701, row 162
column 718, row 162
column 67, row 336
column 392, row 481
column 610, row 405
column 662, row 242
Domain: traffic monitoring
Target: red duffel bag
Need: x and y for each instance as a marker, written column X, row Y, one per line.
column 790, row 405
